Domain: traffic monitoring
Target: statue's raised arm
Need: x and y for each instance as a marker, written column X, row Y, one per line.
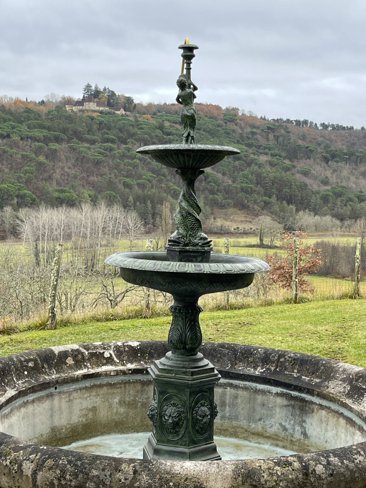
column 186, row 93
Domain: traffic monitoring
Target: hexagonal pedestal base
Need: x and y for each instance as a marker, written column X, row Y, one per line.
column 189, row 254
column 183, row 409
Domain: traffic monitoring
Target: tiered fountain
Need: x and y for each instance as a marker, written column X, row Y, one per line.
column 183, row 408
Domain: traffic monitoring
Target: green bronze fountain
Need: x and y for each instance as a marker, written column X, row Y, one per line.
column 183, row 409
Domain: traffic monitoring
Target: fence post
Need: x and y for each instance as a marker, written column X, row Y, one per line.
column 356, row 288
column 55, row 275
column 295, row 271
column 147, row 291
column 227, row 251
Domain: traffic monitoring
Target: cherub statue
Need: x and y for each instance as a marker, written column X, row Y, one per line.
column 186, row 98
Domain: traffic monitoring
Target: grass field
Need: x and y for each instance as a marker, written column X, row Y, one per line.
column 334, row 329
column 328, row 287
column 252, row 240
column 343, row 239
column 238, row 245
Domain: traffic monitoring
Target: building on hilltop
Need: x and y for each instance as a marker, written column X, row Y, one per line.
column 91, row 105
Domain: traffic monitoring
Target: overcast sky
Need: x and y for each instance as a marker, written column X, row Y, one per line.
column 279, row 58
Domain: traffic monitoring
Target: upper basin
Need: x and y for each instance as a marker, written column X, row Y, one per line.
column 197, row 156
column 154, row 270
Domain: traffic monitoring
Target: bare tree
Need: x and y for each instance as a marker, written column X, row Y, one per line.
column 55, row 275
column 9, row 221
column 360, row 228
column 88, row 228
column 90, row 232
column 133, row 226
column 42, row 228
column 23, row 288
column 308, row 222
column 166, row 221
column 268, row 229
column 109, row 294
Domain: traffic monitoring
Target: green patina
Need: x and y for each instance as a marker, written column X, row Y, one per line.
column 183, row 408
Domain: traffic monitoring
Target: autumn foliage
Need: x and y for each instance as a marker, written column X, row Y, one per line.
column 309, row 260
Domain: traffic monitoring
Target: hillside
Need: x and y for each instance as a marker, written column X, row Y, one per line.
column 59, row 158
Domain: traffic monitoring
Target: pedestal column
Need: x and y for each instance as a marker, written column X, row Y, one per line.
column 183, row 408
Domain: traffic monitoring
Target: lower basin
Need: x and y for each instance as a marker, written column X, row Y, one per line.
column 154, row 270
column 254, row 415
column 272, row 404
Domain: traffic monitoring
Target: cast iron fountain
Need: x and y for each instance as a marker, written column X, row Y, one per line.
column 183, row 407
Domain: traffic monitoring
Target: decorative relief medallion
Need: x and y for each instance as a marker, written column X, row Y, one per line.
column 201, row 418
column 152, row 413
column 215, row 410
column 173, row 417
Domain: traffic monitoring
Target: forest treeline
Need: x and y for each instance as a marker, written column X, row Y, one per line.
column 59, row 158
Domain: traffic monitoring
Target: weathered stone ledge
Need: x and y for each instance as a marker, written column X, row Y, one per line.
column 23, row 464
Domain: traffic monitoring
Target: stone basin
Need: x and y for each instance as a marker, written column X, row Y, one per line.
column 188, row 156
column 58, row 395
column 154, row 270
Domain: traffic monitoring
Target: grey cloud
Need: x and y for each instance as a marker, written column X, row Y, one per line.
column 282, row 58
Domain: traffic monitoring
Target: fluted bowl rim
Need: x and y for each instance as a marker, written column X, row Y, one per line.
column 158, row 261
column 188, row 147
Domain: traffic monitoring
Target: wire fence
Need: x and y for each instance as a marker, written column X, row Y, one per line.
column 87, row 285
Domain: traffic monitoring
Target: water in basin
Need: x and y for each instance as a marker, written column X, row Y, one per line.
column 131, row 445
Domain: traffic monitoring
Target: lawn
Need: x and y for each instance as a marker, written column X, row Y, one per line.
column 334, row 329
column 328, row 287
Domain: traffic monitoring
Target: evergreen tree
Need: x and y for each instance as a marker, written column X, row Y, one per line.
column 96, row 91
column 112, row 100
column 87, row 91
column 128, row 104
column 130, row 203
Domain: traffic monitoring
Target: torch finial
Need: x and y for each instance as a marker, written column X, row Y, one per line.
column 186, row 93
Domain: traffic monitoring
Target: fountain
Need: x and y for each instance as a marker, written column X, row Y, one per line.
column 302, row 418
column 183, row 409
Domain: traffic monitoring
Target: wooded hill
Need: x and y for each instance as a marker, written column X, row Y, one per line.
column 59, row 158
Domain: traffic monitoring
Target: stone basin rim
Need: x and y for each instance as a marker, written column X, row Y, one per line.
column 157, row 261
column 335, row 468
